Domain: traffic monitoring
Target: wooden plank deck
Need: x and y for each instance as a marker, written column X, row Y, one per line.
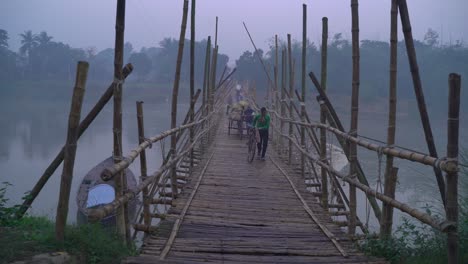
column 247, row 213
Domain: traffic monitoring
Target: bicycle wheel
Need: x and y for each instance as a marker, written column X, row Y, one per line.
column 251, row 149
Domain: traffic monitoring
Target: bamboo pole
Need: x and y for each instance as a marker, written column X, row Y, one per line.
column 206, row 74
column 452, row 177
column 120, row 182
column 59, row 158
column 192, row 77
column 323, row 134
column 216, row 33
column 390, row 174
column 283, row 96
column 141, row 139
column 291, row 90
column 406, row 24
column 303, row 83
column 175, row 93
column 445, row 165
column 275, row 93
column 354, row 114
column 70, row 150
column 213, row 77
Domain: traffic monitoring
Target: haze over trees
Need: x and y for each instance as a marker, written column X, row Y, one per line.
column 436, row 60
column 41, row 57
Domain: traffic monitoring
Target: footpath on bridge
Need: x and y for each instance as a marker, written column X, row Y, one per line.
column 246, row 213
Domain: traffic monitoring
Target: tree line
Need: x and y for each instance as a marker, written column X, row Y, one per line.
column 436, row 60
column 41, row 58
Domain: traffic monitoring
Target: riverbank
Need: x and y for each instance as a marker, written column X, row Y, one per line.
column 30, row 236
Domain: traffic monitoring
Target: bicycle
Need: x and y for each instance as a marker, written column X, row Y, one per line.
column 251, row 144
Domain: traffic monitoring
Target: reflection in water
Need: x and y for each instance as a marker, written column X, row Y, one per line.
column 33, row 135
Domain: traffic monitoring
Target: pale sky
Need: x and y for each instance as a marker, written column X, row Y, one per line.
column 86, row 23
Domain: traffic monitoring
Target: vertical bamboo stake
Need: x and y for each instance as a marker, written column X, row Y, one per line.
column 291, row 90
column 283, row 97
column 303, row 84
column 120, row 181
column 275, row 93
column 175, row 93
column 216, row 33
column 70, row 150
column 141, row 139
column 213, row 77
column 206, row 77
column 192, row 79
column 390, row 175
column 323, row 134
column 354, row 115
column 452, row 154
column 406, row 24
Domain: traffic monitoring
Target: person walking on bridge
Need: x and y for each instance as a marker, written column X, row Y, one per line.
column 262, row 123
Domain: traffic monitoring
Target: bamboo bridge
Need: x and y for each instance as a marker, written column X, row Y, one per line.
column 207, row 203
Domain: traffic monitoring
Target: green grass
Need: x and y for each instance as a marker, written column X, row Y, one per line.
column 28, row 236
column 416, row 243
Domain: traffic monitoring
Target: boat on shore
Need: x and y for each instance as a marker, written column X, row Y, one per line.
column 94, row 192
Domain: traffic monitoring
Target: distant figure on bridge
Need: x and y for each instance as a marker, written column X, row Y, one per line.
column 262, row 123
column 249, row 116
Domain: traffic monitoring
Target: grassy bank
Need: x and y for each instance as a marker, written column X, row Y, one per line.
column 416, row 243
column 29, row 236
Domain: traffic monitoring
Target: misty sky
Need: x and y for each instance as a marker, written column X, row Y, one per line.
column 86, row 23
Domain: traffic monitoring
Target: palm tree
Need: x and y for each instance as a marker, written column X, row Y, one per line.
column 43, row 38
column 28, row 42
column 3, row 38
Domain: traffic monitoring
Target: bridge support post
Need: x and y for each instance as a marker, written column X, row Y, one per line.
column 303, row 85
column 283, row 101
column 206, row 78
column 323, row 120
column 391, row 172
column 143, row 167
column 291, row 90
column 354, row 115
column 175, row 93
column 120, row 181
column 452, row 155
column 70, row 150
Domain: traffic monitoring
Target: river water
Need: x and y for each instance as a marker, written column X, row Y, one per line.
column 34, row 131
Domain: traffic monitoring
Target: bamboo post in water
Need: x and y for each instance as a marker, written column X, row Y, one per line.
column 452, row 155
column 120, row 181
column 406, row 24
column 192, row 79
column 303, row 84
column 390, row 172
column 175, row 93
column 70, row 150
column 323, row 132
column 141, row 139
column 354, row 115
column 291, row 91
column 59, row 158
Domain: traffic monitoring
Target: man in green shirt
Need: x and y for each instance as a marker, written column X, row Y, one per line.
column 262, row 123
